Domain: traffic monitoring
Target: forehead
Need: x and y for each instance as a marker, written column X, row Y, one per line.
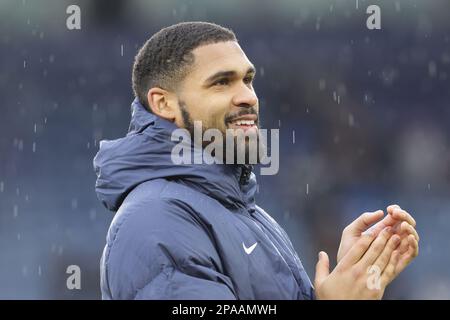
column 222, row 56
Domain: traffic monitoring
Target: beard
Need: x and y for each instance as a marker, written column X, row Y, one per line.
column 245, row 149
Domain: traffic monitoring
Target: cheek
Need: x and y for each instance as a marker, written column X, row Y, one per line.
column 211, row 111
column 215, row 114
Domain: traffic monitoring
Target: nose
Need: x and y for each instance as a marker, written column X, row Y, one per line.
column 245, row 97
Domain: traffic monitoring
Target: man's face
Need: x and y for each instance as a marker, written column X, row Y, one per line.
column 219, row 91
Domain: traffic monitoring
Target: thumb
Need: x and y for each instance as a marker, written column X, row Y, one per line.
column 364, row 221
column 322, row 268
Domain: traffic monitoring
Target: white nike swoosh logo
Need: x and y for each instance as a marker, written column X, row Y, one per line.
column 250, row 249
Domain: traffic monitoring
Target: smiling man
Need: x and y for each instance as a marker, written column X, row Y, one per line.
column 194, row 231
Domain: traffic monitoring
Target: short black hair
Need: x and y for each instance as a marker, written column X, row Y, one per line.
column 164, row 59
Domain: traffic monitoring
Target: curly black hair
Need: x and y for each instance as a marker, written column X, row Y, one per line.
column 164, row 59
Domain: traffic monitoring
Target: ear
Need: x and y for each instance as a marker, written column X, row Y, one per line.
column 162, row 104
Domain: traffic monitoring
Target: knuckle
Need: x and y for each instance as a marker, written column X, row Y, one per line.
column 383, row 259
column 378, row 246
column 339, row 269
column 394, row 242
column 357, row 272
column 389, row 272
column 345, row 231
column 362, row 245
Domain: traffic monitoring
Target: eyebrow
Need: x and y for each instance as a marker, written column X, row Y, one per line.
column 227, row 74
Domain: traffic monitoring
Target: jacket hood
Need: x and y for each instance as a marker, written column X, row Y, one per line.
column 145, row 154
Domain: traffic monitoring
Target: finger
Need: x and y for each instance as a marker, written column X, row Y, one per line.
column 390, row 219
column 322, row 268
column 389, row 272
column 357, row 250
column 391, row 208
column 399, row 214
column 387, row 221
column 364, row 221
column 406, row 258
column 405, row 227
column 383, row 260
column 376, row 248
column 404, row 245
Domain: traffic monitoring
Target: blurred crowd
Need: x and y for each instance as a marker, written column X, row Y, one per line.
column 363, row 118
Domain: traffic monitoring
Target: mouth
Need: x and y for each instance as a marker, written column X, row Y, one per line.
column 247, row 122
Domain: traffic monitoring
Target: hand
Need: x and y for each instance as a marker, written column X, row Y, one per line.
column 402, row 223
column 351, row 278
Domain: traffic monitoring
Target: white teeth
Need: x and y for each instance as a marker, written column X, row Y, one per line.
column 244, row 122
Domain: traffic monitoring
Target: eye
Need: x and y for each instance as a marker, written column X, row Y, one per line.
column 222, row 82
column 248, row 80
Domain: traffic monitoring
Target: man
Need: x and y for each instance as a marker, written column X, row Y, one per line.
column 193, row 231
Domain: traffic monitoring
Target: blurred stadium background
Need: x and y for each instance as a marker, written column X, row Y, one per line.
column 370, row 110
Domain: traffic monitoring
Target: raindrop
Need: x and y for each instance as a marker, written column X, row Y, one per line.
column 397, row 6
column 336, row 139
column 293, row 136
column 19, row 236
column 20, row 145
column 34, row 147
column 16, row 211
column 45, row 120
column 92, row 214
column 51, row 58
column 24, row 271
column 35, row 128
column 39, row 271
column 121, row 50
column 432, row 69
column 2, row 186
column 322, row 84
column 279, row 123
column 17, row 191
column 88, row 145
column 307, row 188
column 74, row 204
column 351, row 120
